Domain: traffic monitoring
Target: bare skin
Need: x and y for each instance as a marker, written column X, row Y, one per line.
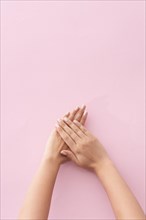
column 38, row 198
column 87, row 152
column 71, row 140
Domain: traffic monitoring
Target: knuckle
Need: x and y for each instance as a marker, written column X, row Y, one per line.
column 86, row 142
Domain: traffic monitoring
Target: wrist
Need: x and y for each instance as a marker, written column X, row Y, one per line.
column 53, row 162
column 102, row 166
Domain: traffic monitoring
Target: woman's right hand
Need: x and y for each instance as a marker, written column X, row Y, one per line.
column 85, row 149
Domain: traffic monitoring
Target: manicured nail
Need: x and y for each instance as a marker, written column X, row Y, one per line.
column 83, row 107
column 65, row 119
column 59, row 120
column 63, row 152
column 56, row 125
column 75, row 121
column 85, row 113
column 76, row 108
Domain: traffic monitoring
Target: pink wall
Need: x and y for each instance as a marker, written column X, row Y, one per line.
column 55, row 56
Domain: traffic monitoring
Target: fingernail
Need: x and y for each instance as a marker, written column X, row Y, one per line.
column 83, row 107
column 85, row 113
column 59, row 120
column 75, row 121
column 63, row 152
column 56, row 125
column 65, row 119
column 77, row 108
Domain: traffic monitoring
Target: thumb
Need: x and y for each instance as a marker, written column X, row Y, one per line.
column 70, row 155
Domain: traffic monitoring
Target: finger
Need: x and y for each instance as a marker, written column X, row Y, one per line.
column 65, row 159
column 79, row 125
column 79, row 114
column 70, row 155
column 67, row 114
column 75, row 128
column 68, row 130
column 73, row 113
column 84, row 117
column 65, row 136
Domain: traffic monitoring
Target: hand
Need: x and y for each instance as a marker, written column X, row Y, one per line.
column 85, row 150
column 55, row 143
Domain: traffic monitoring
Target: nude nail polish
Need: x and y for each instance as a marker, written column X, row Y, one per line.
column 83, row 107
column 76, row 108
column 65, row 118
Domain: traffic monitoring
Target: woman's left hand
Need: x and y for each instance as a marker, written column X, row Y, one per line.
column 55, row 143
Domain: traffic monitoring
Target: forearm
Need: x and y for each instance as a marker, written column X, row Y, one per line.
column 38, row 198
column 124, row 203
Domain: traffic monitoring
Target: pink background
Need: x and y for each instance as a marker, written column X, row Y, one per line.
column 57, row 55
